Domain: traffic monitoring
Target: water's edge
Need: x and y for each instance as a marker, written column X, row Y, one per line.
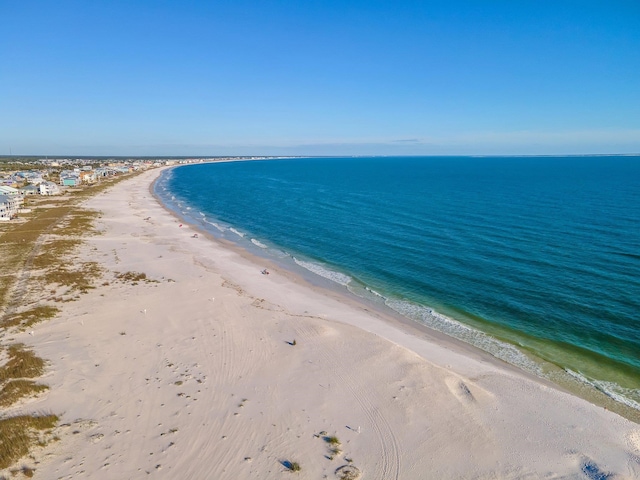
column 330, row 277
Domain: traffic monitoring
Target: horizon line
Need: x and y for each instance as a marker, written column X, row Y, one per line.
column 77, row 156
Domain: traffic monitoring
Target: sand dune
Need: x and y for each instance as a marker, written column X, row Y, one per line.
column 192, row 374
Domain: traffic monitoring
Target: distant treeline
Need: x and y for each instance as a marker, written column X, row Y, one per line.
column 14, row 159
column 10, row 166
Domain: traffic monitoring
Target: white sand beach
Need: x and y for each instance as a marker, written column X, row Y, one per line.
column 194, row 374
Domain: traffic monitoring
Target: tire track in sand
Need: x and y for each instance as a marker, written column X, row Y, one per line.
column 390, row 449
column 233, row 349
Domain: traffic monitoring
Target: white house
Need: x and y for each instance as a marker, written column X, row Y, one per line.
column 9, row 191
column 29, row 190
column 49, row 188
column 33, row 178
column 10, row 202
column 5, row 213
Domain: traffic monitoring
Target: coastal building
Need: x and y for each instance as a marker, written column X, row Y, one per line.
column 5, row 214
column 9, row 191
column 33, row 178
column 70, row 178
column 10, row 202
column 105, row 172
column 49, row 188
column 70, row 181
column 88, row 177
column 29, row 190
column 7, row 180
column 102, row 172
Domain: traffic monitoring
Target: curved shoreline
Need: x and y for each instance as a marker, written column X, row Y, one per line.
column 554, row 375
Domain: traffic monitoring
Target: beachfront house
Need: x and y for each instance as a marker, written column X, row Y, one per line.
column 33, row 178
column 49, row 188
column 29, row 190
column 105, row 172
column 10, row 202
column 70, row 178
column 5, row 213
column 88, row 177
column 69, row 181
column 8, row 192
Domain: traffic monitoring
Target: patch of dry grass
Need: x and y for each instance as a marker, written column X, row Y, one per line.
column 77, row 277
column 19, row 434
column 133, row 277
column 79, row 222
column 30, row 317
column 15, row 390
column 22, row 249
column 19, row 241
column 53, row 252
column 22, row 363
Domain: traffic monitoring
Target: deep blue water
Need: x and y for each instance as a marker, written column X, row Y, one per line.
column 542, row 253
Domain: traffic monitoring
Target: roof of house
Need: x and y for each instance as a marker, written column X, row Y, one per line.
column 4, row 190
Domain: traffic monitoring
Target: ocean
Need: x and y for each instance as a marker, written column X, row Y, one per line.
column 535, row 260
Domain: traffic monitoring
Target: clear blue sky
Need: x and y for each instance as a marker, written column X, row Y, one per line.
column 319, row 77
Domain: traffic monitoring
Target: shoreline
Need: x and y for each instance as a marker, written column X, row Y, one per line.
column 207, row 358
column 342, row 294
column 555, row 376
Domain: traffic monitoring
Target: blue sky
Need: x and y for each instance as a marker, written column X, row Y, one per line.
column 319, row 77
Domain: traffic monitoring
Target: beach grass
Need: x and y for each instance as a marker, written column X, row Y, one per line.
column 30, row 317
column 18, row 246
column 15, row 390
column 332, row 440
column 292, row 466
column 37, row 251
column 53, row 251
column 21, row 363
column 79, row 277
column 348, row 472
column 79, row 222
column 19, row 434
column 131, row 277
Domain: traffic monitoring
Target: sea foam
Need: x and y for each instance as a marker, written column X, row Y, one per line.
column 610, row 389
column 258, row 243
column 324, row 272
column 216, row 225
column 429, row 317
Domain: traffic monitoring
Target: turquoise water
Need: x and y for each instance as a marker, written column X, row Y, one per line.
column 517, row 255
